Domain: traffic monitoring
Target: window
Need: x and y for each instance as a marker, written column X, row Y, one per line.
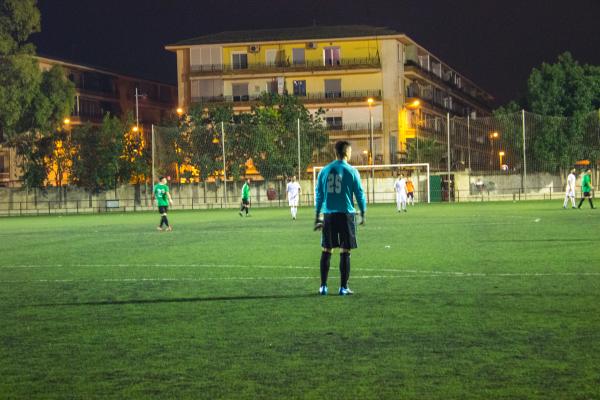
column 299, row 88
column 272, row 57
column 239, row 61
column 333, row 88
column 240, row 92
column 207, row 88
column 332, row 55
column 272, row 86
column 205, row 58
column 334, row 123
column 298, row 56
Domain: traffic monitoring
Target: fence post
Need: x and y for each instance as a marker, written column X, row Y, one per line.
column 524, row 176
column 224, row 165
column 448, row 163
column 299, row 167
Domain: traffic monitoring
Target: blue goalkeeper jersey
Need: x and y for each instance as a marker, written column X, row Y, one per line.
column 336, row 184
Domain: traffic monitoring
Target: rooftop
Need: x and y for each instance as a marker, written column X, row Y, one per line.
column 301, row 33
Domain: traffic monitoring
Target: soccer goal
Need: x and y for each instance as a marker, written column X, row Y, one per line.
column 378, row 180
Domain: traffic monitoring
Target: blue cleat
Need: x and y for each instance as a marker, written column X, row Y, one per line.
column 323, row 290
column 344, row 291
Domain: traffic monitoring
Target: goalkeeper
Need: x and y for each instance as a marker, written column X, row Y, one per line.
column 337, row 183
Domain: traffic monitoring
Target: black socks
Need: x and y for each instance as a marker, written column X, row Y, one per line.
column 325, row 258
column 164, row 221
column 344, row 269
column 583, row 199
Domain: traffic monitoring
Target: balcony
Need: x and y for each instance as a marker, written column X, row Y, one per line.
column 283, row 67
column 323, row 97
column 355, row 127
column 480, row 98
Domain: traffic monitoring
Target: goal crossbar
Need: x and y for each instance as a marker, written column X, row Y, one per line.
column 374, row 167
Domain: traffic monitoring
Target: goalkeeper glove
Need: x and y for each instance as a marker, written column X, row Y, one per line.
column 318, row 224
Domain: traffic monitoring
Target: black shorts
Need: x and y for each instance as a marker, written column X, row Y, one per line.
column 586, row 194
column 163, row 209
column 339, row 230
column 411, row 195
column 245, row 202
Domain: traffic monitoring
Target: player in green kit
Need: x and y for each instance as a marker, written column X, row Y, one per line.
column 245, row 198
column 586, row 188
column 163, row 199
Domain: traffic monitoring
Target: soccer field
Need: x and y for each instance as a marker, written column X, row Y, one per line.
column 481, row 300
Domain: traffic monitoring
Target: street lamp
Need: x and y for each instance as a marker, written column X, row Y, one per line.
column 494, row 136
column 179, row 111
column 370, row 102
column 414, row 106
column 66, row 121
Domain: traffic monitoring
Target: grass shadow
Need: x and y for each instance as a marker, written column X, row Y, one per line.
column 176, row 300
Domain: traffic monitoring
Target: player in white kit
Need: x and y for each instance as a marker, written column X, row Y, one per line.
column 401, row 194
column 570, row 191
column 292, row 193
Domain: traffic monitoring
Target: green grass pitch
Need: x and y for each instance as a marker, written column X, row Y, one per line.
column 482, row 301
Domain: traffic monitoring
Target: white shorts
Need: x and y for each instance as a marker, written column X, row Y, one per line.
column 570, row 193
column 400, row 198
column 293, row 202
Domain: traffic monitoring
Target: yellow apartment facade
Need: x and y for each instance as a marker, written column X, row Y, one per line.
column 338, row 69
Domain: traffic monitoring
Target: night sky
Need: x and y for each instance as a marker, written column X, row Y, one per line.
column 493, row 43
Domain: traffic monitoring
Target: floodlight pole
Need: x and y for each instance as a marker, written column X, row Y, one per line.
column 299, row 167
column 152, row 144
column 448, row 161
column 224, row 169
column 137, row 118
column 469, row 140
column 372, row 158
column 524, row 178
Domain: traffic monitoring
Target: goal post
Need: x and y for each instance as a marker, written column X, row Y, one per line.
column 378, row 180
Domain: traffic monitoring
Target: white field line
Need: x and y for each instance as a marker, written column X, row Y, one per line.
column 420, row 274
column 297, row 267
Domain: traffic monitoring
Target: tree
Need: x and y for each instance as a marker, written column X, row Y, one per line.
column 136, row 158
column 18, row 20
column 97, row 154
column 275, row 123
column 35, row 151
column 430, row 151
column 40, row 126
column 20, row 76
column 564, row 93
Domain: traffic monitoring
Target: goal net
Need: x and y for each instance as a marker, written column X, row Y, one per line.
column 378, row 181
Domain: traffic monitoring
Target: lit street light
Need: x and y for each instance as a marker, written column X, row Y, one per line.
column 494, row 136
column 370, row 102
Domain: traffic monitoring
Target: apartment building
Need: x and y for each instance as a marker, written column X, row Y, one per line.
column 358, row 74
column 99, row 91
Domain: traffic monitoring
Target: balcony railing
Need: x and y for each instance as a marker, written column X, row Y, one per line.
column 355, row 127
column 482, row 100
column 286, row 66
column 354, row 95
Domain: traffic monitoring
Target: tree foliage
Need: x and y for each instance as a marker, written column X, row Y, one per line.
column 275, row 125
column 20, row 76
column 566, row 94
column 97, row 156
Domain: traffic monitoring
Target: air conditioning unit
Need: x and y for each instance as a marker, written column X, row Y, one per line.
column 254, row 48
column 311, row 45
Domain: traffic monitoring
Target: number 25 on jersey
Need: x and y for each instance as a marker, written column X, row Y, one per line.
column 334, row 183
